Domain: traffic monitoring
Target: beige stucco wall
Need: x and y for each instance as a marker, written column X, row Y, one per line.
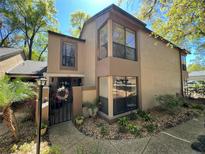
column 89, row 94
column 77, row 101
column 160, row 69
column 10, row 62
column 54, row 56
column 90, row 34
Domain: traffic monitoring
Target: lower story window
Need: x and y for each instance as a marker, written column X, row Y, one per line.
column 124, row 94
column 103, row 94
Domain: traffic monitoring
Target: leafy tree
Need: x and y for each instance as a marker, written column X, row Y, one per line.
column 10, row 92
column 180, row 21
column 195, row 67
column 31, row 17
column 7, row 29
column 77, row 20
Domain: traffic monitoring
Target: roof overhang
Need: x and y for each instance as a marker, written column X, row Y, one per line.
column 63, row 75
column 24, row 75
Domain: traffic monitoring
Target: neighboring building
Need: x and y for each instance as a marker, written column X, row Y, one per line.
column 116, row 59
column 197, row 76
column 28, row 70
column 9, row 58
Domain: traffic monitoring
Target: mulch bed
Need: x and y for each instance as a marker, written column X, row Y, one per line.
column 160, row 119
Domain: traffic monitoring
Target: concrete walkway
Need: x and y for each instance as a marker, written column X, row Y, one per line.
column 176, row 140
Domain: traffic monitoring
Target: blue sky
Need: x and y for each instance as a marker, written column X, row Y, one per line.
column 66, row 7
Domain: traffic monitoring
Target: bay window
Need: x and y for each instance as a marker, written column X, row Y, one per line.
column 124, row 94
column 103, row 39
column 123, row 42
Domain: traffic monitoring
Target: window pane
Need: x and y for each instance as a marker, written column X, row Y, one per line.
column 68, row 55
column 118, row 34
column 119, row 87
column 119, row 95
column 103, row 41
column 124, row 94
column 130, row 53
column 118, row 50
column 131, row 93
column 103, row 93
column 103, row 51
column 130, row 38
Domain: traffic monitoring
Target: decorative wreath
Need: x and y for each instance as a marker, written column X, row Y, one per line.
column 62, row 93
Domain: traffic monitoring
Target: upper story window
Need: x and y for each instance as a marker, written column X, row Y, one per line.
column 123, row 42
column 183, row 61
column 68, row 55
column 103, row 38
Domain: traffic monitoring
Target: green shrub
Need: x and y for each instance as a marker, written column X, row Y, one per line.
column 79, row 120
column 43, row 125
column 170, row 102
column 133, row 129
column 144, row 115
column 198, row 106
column 133, row 116
column 104, row 130
column 123, row 121
column 150, row 128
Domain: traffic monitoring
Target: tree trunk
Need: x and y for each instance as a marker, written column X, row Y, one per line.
column 10, row 120
column 29, row 52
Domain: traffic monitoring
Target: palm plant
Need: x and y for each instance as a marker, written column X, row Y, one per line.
column 10, row 92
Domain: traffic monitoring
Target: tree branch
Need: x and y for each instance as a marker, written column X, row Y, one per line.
column 44, row 49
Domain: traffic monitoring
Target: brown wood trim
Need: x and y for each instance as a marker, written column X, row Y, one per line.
column 67, row 36
column 75, row 68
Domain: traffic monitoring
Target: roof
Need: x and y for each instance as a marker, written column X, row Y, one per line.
column 197, row 75
column 9, row 52
column 29, row 68
column 70, row 37
column 133, row 18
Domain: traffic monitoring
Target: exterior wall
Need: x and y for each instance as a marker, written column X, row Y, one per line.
column 117, row 67
column 77, row 101
column 89, row 94
column 10, row 62
column 54, row 57
column 90, row 34
column 160, row 69
column 90, row 54
column 45, row 105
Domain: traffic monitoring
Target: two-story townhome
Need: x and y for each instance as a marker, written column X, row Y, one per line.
column 117, row 60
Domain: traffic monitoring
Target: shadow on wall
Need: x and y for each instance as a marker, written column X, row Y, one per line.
column 200, row 144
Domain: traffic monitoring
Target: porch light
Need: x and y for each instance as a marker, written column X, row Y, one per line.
column 41, row 83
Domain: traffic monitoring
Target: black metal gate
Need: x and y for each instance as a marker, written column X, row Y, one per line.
column 59, row 110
